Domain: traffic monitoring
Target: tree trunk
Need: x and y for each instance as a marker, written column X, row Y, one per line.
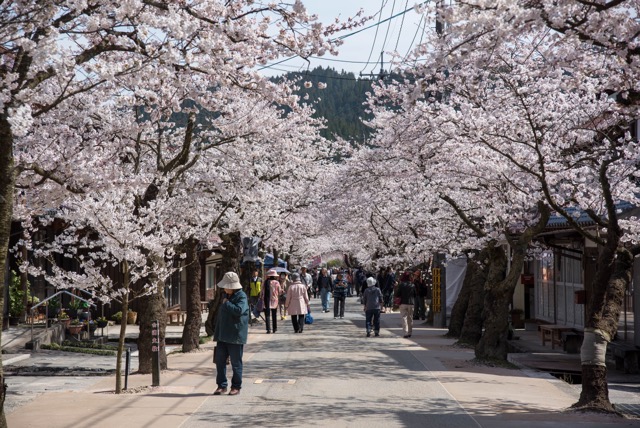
column 152, row 307
column 191, row 332
column 499, row 294
column 123, row 325
column 231, row 257
column 7, row 187
column 611, row 280
column 459, row 309
column 24, row 282
column 493, row 343
column 473, row 321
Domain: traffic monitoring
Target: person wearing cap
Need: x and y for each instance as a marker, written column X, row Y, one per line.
column 270, row 293
column 372, row 300
column 297, row 302
column 231, row 331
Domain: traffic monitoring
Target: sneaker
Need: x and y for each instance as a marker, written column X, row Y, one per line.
column 283, row 318
column 369, row 334
column 377, row 334
column 335, row 318
column 341, row 317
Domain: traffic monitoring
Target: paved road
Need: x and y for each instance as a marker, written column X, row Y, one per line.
column 342, row 379
column 331, row 375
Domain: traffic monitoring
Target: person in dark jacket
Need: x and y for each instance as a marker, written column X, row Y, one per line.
column 372, row 300
column 407, row 293
column 325, row 287
column 419, row 310
column 340, row 291
column 231, row 331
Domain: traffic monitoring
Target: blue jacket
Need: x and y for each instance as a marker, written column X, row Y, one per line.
column 232, row 322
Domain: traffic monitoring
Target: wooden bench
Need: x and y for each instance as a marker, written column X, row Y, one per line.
column 552, row 333
column 175, row 316
column 625, row 356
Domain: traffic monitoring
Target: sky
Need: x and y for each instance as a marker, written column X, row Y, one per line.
column 360, row 53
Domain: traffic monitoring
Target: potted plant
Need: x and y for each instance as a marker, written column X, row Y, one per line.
column 132, row 317
column 90, row 326
column 74, row 307
column 64, row 319
column 102, row 322
column 117, row 317
column 53, row 307
column 75, row 327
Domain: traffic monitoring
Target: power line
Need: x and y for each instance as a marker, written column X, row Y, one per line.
column 351, row 79
column 406, row 55
column 401, row 25
column 375, row 37
column 350, row 34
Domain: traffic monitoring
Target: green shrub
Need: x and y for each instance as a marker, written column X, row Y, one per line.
column 117, row 317
column 16, row 296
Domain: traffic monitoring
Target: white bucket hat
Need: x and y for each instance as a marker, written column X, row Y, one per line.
column 272, row 272
column 230, row 281
column 371, row 282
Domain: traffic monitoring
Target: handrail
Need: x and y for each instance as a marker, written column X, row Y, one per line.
column 47, row 311
column 61, row 292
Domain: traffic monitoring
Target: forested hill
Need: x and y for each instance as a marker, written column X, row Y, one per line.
column 341, row 103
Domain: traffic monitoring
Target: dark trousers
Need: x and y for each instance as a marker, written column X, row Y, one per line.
column 233, row 351
column 372, row 316
column 298, row 322
column 338, row 306
column 271, row 314
column 419, row 310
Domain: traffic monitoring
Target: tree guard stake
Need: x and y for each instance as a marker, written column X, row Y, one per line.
column 155, row 354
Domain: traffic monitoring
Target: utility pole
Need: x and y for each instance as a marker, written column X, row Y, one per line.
column 382, row 74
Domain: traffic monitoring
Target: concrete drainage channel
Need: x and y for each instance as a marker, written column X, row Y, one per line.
column 572, row 378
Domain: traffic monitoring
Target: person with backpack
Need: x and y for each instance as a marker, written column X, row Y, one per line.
column 270, row 295
column 372, row 300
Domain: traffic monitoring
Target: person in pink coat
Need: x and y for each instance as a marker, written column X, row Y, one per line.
column 271, row 290
column 297, row 302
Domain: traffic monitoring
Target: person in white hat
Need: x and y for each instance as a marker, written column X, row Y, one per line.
column 230, row 333
column 270, row 293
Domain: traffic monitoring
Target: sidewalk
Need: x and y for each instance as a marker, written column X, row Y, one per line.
column 330, row 375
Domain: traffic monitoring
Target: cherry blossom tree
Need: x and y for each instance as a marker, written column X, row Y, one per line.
column 69, row 69
column 533, row 110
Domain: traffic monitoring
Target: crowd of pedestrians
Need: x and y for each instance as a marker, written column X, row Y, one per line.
column 283, row 294
column 289, row 295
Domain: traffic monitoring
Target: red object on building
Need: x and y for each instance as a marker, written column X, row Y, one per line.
column 527, row 279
